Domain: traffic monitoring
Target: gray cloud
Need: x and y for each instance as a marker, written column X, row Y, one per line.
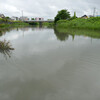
column 47, row 8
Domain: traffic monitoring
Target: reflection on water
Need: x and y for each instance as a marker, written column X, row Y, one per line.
column 3, row 31
column 63, row 34
column 45, row 68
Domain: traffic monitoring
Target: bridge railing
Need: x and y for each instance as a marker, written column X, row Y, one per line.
column 39, row 21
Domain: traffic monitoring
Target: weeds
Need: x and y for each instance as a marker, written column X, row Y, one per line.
column 90, row 23
column 5, row 48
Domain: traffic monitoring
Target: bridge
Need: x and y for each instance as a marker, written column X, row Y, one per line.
column 39, row 21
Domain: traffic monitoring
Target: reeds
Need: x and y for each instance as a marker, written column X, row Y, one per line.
column 5, row 48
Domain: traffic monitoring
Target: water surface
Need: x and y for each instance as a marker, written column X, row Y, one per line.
column 46, row 65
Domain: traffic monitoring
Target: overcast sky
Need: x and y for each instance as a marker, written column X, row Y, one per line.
column 47, row 8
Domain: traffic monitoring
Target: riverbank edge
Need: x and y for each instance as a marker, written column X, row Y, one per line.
column 6, row 25
column 79, row 23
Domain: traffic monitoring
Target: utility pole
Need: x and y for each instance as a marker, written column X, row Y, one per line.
column 97, row 13
column 22, row 15
column 94, row 10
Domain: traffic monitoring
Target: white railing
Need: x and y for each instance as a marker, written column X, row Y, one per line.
column 39, row 21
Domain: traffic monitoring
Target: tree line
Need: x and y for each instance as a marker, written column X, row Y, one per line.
column 64, row 14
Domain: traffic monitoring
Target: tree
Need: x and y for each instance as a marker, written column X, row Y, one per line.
column 62, row 14
column 73, row 17
column 32, row 19
column 7, row 17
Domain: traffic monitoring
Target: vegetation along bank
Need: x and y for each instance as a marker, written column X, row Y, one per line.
column 64, row 20
column 8, row 23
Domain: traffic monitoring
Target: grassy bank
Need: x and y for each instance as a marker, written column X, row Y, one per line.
column 4, row 25
column 79, row 23
column 10, row 23
column 48, row 24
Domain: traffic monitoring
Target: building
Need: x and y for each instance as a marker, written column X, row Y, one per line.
column 84, row 17
column 39, row 19
column 14, row 18
column 2, row 16
column 91, row 16
column 24, row 18
column 97, row 15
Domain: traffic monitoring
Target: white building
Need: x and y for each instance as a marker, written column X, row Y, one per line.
column 97, row 15
column 39, row 19
column 14, row 18
column 2, row 16
column 24, row 18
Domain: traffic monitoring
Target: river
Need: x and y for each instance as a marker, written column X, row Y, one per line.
column 47, row 65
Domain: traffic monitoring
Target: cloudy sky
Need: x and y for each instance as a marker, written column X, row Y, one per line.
column 47, row 8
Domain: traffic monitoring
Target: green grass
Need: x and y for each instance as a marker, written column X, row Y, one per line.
column 79, row 23
column 8, row 23
column 13, row 24
column 48, row 24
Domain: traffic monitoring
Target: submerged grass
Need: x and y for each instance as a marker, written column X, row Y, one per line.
column 5, row 47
